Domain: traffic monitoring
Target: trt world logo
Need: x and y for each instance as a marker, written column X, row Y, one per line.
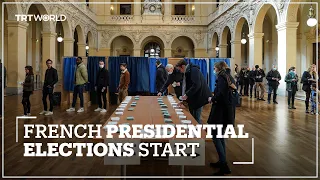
column 45, row 17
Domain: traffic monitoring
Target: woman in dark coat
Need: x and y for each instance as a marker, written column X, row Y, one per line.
column 291, row 80
column 222, row 112
column 27, row 90
column 308, row 77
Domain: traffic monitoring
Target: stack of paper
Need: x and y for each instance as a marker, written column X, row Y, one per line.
column 112, row 122
column 166, row 120
column 186, row 121
column 130, row 118
column 115, row 118
column 182, row 117
column 120, row 109
column 178, row 110
column 166, row 115
column 133, row 105
column 180, row 113
column 164, row 106
column 130, row 109
column 119, row 113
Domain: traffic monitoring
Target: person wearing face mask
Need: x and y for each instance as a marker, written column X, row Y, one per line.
column 124, row 82
column 273, row 78
column 101, row 85
column 161, row 76
column 308, row 78
column 195, row 90
column 81, row 78
column 259, row 75
column 291, row 86
column 174, row 78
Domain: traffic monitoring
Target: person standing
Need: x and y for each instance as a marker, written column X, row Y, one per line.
column 252, row 82
column 291, row 86
column 174, row 78
column 161, row 76
column 308, row 78
column 222, row 112
column 101, row 85
column 244, row 76
column 51, row 78
column 259, row 75
column 236, row 75
column 124, row 82
column 273, row 78
column 81, row 78
column 195, row 90
column 313, row 98
column 28, row 88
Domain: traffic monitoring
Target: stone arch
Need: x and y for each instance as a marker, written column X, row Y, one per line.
column 67, row 32
column 188, row 46
column 153, row 38
column 215, row 40
column 187, row 36
column 12, row 10
column 117, row 35
column 90, row 39
column 223, row 36
column 47, row 26
column 261, row 13
column 291, row 11
column 238, row 28
column 81, row 36
column 161, row 39
column 121, row 45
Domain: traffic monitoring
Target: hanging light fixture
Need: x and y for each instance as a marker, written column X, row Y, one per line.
column 312, row 21
column 243, row 40
column 87, row 47
column 59, row 38
column 217, row 48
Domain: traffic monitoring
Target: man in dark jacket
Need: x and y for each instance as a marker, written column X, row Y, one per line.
column 195, row 90
column 101, row 85
column 259, row 75
column 273, row 78
column 51, row 78
column 174, row 78
column 161, row 76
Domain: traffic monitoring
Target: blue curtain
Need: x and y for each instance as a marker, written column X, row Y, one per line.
column 139, row 74
column 202, row 63
column 114, row 71
column 153, row 70
column 69, row 68
column 212, row 75
column 93, row 69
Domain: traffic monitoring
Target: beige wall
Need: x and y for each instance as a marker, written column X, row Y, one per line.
column 121, row 46
column 185, row 44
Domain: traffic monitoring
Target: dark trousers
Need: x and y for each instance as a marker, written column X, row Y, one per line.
column 274, row 89
column 26, row 102
column 251, row 88
column 291, row 96
column 78, row 90
column 246, row 87
column 104, row 97
column 220, row 145
column 178, row 91
column 196, row 113
column 308, row 94
column 45, row 92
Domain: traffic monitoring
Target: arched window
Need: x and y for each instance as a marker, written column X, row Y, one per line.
column 152, row 49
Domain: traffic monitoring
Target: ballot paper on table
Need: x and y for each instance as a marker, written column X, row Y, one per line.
column 166, row 120
column 174, row 103
column 119, row 113
column 182, row 117
column 186, row 121
column 112, row 122
column 119, row 109
column 178, row 110
column 115, row 118
column 179, row 113
column 175, row 106
column 130, row 118
column 130, row 109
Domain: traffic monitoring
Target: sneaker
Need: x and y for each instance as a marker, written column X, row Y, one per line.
column 43, row 112
column 312, row 113
column 275, row 102
column 29, row 114
column 307, row 111
column 71, row 109
column 49, row 113
column 103, row 111
column 80, row 110
column 98, row 109
column 293, row 107
column 289, row 107
column 261, row 99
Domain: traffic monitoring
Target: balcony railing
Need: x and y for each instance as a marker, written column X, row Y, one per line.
column 182, row 19
column 122, row 18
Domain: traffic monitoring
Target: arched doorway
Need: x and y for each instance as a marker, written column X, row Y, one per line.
column 152, row 46
column 122, row 46
column 215, row 45
column 182, row 47
column 225, row 44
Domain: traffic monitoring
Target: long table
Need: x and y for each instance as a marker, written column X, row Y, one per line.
column 148, row 111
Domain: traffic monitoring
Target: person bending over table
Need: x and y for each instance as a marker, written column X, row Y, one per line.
column 195, row 90
column 161, row 76
column 174, row 78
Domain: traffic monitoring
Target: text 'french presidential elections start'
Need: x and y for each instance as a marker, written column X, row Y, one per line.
column 119, row 149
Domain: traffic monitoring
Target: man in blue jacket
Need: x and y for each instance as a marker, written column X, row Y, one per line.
column 195, row 90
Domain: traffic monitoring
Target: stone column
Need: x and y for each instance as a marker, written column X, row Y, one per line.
column 136, row 52
column 81, row 49
column 287, row 50
column 167, row 52
column 68, row 46
column 48, row 50
column 223, row 50
column 235, row 53
column 255, row 49
column 197, row 12
column 17, row 55
column 167, row 11
column 137, row 11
